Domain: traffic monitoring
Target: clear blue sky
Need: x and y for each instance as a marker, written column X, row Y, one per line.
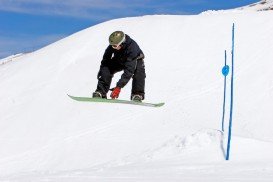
column 26, row 25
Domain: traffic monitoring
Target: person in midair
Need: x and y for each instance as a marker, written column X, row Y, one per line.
column 122, row 54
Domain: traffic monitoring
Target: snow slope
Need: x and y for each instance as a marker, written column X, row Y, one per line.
column 263, row 5
column 45, row 136
column 10, row 58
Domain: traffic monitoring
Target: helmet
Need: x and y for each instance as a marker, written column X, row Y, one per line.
column 116, row 38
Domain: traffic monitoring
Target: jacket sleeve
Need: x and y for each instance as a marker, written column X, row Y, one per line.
column 106, row 56
column 130, row 66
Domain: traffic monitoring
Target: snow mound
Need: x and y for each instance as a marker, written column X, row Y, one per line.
column 194, row 147
column 198, row 143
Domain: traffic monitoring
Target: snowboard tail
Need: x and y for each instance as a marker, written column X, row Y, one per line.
column 90, row 99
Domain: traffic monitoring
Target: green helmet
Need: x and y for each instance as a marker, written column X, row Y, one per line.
column 116, row 38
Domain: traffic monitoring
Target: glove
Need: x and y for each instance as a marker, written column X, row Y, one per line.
column 115, row 93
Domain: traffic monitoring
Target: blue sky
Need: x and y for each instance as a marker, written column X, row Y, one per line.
column 27, row 25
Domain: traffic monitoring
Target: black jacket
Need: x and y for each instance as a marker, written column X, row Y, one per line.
column 126, row 59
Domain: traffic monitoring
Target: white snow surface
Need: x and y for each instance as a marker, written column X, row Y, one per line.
column 10, row 58
column 263, row 5
column 46, row 136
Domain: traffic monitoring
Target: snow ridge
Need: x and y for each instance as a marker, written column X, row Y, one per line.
column 264, row 5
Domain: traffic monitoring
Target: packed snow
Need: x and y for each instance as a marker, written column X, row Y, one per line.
column 46, row 136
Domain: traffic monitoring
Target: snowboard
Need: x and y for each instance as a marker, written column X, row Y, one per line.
column 90, row 99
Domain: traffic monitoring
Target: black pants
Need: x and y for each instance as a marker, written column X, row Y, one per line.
column 107, row 72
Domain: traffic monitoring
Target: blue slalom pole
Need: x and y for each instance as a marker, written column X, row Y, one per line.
column 231, row 95
column 225, row 72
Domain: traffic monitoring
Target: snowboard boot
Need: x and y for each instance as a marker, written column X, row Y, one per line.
column 98, row 94
column 137, row 98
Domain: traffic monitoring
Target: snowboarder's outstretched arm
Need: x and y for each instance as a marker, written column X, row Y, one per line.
column 129, row 65
column 107, row 56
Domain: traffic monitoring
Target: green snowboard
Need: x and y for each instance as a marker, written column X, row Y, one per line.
column 90, row 99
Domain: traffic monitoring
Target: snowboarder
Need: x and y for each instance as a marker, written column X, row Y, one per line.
column 123, row 54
